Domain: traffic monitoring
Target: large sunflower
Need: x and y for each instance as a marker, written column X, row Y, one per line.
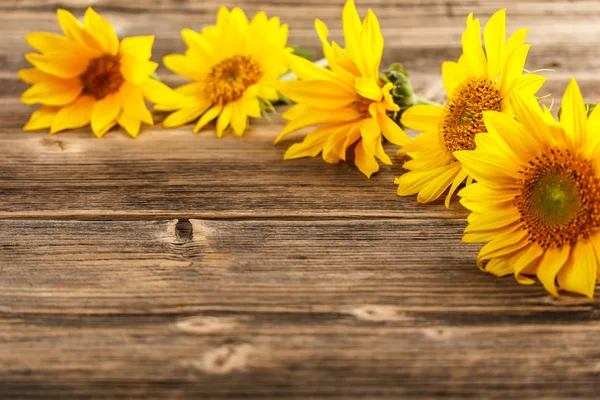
column 234, row 67
column 348, row 101
column 88, row 76
column 536, row 202
column 479, row 81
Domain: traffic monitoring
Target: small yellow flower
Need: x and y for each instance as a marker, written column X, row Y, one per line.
column 479, row 81
column 88, row 76
column 348, row 100
column 536, row 202
column 234, row 67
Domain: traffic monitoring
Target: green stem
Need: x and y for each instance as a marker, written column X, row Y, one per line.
column 423, row 100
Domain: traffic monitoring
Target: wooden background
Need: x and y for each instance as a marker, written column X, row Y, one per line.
column 175, row 265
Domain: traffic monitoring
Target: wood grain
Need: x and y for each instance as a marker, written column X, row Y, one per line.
column 185, row 266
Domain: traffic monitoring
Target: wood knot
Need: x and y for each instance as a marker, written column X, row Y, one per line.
column 184, row 231
column 205, row 324
column 52, row 142
column 225, row 359
column 378, row 313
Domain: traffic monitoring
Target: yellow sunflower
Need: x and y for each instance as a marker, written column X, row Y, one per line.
column 536, row 202
column 348, row 100
column 479, row 81
column 88, row 76
column 234, row 67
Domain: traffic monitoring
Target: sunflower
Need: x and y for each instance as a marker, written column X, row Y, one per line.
column 234, row 67
column 536, row 202
column 88, row 76
column 348, row 101
column 479, row 81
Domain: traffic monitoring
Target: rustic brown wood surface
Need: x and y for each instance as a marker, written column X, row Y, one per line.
column 183, row 266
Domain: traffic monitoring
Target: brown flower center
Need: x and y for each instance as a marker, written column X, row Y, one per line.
column 102, row 77
column 229, row 79
column 560, row 199
column 463, row 118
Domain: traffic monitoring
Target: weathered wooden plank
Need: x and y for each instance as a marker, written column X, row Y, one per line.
column 278, row 309
column 421, row 35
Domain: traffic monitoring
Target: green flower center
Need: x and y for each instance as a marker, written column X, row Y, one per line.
column 555, row 198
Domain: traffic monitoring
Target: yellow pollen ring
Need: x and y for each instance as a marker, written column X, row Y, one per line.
column 463, row 117
column 229, row 79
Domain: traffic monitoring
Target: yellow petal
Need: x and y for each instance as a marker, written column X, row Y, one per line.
column 158, row 92
column 100, row 29
column 73, row 29
column 551, row 263
column 381, row 155
column 314, row 116
column 239, row 119
column 486, row 168
column 579, row 273
column 130, row 123
column 182, row 65
column 513, row 68
column 75, row 115
column 208, row 116
column 517, row 39
column 495, row 39
column 573, row 117
column 41, row 118
column 45, row 42
column 133, row 103
column 365, row 162
column 372, row 46
column 185, row 115
column 500, row 267
column 458, row 179
column 54, row 92
column 333, row 145
column 252, row 108
column 62, row 65
column 224, row 119
column 104, row 130
column 527, row 261
column 105, row 113
column 136, row 70
column 472, row 48
column 371, row 133
column 312, row 144
column 322, row 94
column 391, row 131
column 138, row 46
column 352, row 28
column 529, row 83
column 502, row 246
column 423, row 117
column 414, row 181
column 433, row 189
column 453, row 76
column 307, row 70
column 34, row 75
column 368, row 88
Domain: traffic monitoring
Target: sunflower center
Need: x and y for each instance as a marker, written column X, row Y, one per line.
column 362, row 106
column 102, row 77
column 463, row 118
column 229, row 79
column 560, row 199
